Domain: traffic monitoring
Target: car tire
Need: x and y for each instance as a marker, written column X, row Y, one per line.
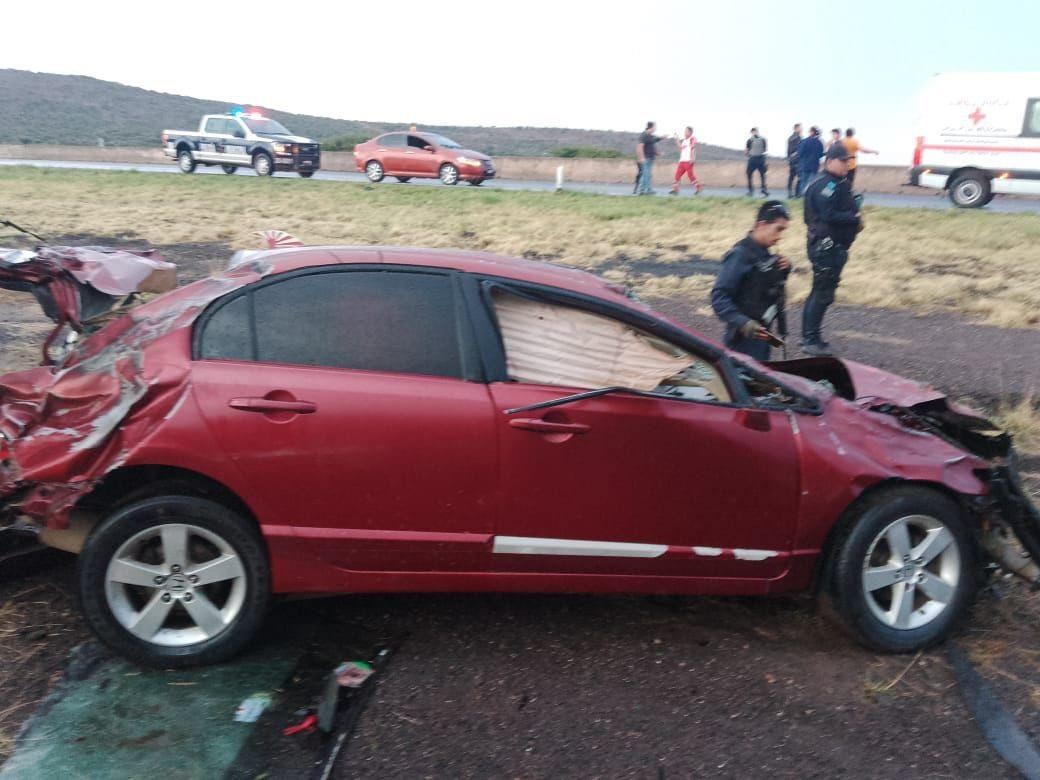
column 263, row 164
column 305, row 174
column 403, row 179
column 143, row 604
column 970, row 191
column 185, row 161
column 475, row 182
column 906, row 570
column 374, row 171
column 229, row 169
column 448, row 174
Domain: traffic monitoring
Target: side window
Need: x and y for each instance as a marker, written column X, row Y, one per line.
column 392, row 140
column 216, row 126
column 368, row 320
column 1032, row 123
column 416, row 142
column 551, row 344
column 228, row 332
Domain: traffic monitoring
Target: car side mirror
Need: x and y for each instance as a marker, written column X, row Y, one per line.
column 240, row 134
column 428, row 148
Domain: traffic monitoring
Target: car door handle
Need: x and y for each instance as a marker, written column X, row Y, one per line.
column 271, row 405
column 544, row 426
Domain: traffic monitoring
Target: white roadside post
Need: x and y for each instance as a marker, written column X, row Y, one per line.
column 559, row 178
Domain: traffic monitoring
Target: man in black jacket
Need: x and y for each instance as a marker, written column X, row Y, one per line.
column 833, row 221
column 793, row 140
column 749, row 291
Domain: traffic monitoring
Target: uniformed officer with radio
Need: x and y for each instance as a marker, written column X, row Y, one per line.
column 749, row 291
column 833, row 221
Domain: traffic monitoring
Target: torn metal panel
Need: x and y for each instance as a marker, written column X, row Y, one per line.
column 69, row 425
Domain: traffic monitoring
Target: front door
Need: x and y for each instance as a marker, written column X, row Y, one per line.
column 351, row 419
column 680, row 482
column 421, row 159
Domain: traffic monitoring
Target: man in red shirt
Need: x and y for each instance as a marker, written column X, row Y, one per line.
column 687, row 155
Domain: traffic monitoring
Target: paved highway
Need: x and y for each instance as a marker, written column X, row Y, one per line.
column 928, row 199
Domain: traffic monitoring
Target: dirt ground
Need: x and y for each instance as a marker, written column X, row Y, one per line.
column 531, row 686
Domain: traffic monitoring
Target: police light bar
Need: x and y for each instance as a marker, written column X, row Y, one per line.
column 240, row 112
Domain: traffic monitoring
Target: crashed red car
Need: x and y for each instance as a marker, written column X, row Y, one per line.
column 332, row 420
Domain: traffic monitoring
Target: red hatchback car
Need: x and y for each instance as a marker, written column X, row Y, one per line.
column 421, row 156
column 333, row 420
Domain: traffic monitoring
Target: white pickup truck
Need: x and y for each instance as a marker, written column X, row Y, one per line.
column 242, row 140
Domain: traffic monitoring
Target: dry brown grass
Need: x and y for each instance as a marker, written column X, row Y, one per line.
column 1022, row 420
column 986, row 265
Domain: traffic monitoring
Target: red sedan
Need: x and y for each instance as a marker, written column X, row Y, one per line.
column 421, row 156
column 332, row 420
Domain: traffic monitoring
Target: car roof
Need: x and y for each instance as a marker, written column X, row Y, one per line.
column 485, row 263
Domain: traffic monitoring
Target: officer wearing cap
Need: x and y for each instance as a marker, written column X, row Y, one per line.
column 833, row 220
column 749, row 291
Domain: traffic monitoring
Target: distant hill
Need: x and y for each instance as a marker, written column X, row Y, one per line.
column 45, row 108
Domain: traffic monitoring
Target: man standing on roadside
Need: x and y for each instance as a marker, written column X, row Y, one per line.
column 853, row 148
column 755, row 151
column 749, row 292
column 646, row 152
column 687, row 155
column 810, row 150
column 835, row 138
column 833, row 221
column 793, row 141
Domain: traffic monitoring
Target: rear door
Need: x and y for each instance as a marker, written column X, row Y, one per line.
column 392, row 153
column 347, row 400
column 682, row 481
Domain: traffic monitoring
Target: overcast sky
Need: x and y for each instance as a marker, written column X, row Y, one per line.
column 718, row 66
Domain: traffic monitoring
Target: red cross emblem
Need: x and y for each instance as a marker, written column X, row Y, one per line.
column 977, row 116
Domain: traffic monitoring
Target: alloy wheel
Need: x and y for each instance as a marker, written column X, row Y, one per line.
column 175, row 585
column 911, row 572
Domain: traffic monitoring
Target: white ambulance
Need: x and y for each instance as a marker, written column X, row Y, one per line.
column 979, row 135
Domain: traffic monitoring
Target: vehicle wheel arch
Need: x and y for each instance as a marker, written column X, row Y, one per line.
column 824, row 568
column 183, row 146
column 967, row 170
column 129, row 484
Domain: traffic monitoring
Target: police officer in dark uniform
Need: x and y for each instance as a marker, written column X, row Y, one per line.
column 749, row 291
column 833, row 220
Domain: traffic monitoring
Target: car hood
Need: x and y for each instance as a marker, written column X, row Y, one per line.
column 288, row 139
column 857, row 382
column 470, row 154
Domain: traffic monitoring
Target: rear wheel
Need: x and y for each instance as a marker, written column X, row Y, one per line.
column 403, row 179
column 263, row 164
column 448, row 174
column 970, row 191
column 174, row 581
column 906, row 571
column 229, row 169
column 374, row 171
column 185, row 161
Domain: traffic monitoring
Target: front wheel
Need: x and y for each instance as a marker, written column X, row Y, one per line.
column 185, row 161
column 174, row 581
column 229, row 169
column 374, row 171
column 906, row 571
column 476, row 182
column 449, row 174
column 970, row 191
column 263, row 164
column 306, row 174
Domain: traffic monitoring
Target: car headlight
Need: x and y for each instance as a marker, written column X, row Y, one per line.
column 470, row 161
column 282, row 148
